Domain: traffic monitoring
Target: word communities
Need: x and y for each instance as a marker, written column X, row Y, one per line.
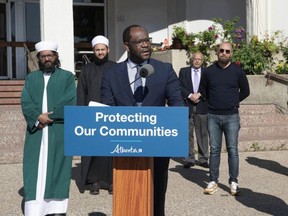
column 106, row 131
column 137, row 124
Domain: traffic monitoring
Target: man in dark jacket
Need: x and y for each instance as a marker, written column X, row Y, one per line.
column 224, row 85
column 162, row 88
column 190, row 79
column 95, row 171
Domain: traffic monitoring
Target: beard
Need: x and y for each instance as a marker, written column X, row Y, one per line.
column 224, row 60
column 101, row 61
column 48, row 66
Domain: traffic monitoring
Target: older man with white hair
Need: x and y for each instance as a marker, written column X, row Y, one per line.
column 96, row 172
column 46, row 171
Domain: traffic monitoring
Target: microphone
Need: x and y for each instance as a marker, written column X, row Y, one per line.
column 146, row 70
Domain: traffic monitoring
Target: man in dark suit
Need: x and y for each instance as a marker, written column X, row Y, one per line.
column 190, row 80
column 161, row 88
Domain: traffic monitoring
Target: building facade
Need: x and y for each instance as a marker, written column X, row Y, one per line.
column 74, row 23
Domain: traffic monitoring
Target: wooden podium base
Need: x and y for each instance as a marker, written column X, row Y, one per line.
column 133, row 186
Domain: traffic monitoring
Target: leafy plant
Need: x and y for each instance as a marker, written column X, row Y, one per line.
column 255, row 146
column 179, row 33
column 254, row 55
column 207, row 41
column 257, row 55
column 282, row 67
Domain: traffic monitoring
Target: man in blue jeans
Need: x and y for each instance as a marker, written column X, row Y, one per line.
column 224, row 85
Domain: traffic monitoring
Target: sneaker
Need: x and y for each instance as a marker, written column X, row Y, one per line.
column 234, row 188
column 211, row 188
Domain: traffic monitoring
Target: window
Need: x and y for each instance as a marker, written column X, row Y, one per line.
column 3, row 55
column 89, row 21
column 32, row 13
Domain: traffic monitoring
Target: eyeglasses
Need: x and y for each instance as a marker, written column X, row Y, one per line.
column 49, row 56
column 141, row 42
column 224, row 50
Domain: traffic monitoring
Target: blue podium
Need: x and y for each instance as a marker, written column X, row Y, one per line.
column 133, row 136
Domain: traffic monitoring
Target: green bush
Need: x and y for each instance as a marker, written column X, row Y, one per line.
column 254, row 55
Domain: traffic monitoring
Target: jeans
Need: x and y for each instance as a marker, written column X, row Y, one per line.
column 230, row 126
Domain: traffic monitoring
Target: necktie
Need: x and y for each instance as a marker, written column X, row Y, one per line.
column 138, row 88
column 138, row 81
column 196, row 81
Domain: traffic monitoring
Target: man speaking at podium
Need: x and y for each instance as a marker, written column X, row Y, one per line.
column 157, row 85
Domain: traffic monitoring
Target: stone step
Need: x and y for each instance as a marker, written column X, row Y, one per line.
column 263, row 119
column 263, row 127
column 12, row 88
column 10, row 156
column 15, row 155
column 12, row 141
column 10, row 92
column 11, row 113
column 271, row 130
column 257, row 109
column 263, row 144
column 10, row 101
column 13, row 127
column 12, row 82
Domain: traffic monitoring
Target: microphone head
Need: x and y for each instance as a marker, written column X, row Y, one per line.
column 146, row 70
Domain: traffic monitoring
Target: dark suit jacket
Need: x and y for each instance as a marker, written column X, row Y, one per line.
column 163, row 86
column 187, row 89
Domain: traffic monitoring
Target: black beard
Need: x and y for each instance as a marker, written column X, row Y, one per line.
column 100, row 61
column 224, row 61
column 46, row 67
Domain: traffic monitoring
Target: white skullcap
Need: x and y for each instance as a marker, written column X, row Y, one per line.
column 100, row 40
column 46, row 45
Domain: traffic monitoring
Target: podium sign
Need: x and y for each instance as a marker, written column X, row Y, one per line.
column 126, row 131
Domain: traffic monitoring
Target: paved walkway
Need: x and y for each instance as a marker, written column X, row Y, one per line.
column 263, row 183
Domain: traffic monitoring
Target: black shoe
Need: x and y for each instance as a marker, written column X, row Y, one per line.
column 110, row 189
column 205, row 165
column 188, row 165
column 94, row 190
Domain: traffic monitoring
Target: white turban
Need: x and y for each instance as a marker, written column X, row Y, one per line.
column 100, row 40
column 46, row 45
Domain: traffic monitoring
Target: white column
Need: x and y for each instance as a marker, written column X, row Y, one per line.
column 257, row 17
column 57, row 25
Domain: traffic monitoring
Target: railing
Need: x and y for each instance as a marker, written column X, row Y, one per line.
column 283, row 79
column 17, row 44
column 82, row 53
column 79, row 46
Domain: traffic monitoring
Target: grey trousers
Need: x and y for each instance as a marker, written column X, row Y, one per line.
column 198, row 123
